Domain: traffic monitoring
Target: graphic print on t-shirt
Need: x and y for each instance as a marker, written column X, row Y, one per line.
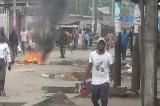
column 99, row 66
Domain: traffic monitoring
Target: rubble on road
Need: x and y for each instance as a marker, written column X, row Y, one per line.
column 58, row 99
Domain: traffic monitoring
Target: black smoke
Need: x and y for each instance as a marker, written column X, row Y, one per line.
column 50, row 12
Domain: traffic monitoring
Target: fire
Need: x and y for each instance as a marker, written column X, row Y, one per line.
column 34, row 57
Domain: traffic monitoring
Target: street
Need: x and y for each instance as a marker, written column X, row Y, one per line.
column 24, row 82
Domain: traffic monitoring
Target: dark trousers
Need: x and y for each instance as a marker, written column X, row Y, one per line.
column 2, row 74
column 14, row 50
column 86, row 44
column 123, row 51
column 62, row 51
column 100, row 92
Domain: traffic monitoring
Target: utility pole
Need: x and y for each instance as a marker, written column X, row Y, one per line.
column 76, row 7
column 141, row 48
column 150, row 53
column 117, row 73
column 94, row 15
column 135, row 80
column 112, row 9
column 14, row 14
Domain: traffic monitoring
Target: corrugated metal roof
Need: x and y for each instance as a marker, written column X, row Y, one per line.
column 20, row 1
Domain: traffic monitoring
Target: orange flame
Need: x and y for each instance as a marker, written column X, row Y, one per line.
column 34, row 57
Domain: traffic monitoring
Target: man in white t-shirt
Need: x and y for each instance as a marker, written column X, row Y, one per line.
column 100, row 63
column 23, row 36
column 5, row 59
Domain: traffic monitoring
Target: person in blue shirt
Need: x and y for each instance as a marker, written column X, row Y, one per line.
column 85, row 37
column 124, row 42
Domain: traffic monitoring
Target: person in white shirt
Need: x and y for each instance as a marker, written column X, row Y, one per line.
column 5, row 59
column 100, row 63
column 23, row 36
column 29, row 38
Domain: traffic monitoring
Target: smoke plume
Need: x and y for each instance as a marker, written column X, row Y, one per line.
column 50, row 12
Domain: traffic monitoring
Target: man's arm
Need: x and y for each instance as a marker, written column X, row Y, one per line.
column 88, row 70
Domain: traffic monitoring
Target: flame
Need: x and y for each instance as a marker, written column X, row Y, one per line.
column 34, row 57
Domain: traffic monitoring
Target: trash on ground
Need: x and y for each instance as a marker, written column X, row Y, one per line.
column 50, row 75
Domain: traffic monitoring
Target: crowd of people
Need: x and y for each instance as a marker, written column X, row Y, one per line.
column 74, row 39
column 83, row 38
column 23, row 40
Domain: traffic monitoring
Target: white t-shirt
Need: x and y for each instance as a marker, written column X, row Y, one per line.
column 23, row 36
column 100, row 68
column 5, row 52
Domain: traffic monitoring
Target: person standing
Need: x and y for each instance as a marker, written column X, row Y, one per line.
column 5, row 59
column 85, row 37
column 131, row 34
column 74, row 39
column 23, row 36
column 13, row 40
column 100, row 63
column 62, row 41
column 90, row 38
column 124, row 43
column 29, row 38
column 80, row 38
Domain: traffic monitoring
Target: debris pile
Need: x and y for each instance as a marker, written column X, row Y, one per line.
column 58, row 99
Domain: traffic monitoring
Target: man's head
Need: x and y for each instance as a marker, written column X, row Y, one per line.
column 101, row 43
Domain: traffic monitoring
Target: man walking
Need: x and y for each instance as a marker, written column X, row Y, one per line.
column 13, row 40
column 124, row 43
column 29, row 38
column 62, row 41
column 100, row 63
column 23, row 36
column 5, row 58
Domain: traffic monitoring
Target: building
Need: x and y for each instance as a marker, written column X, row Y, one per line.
column 22, row 13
